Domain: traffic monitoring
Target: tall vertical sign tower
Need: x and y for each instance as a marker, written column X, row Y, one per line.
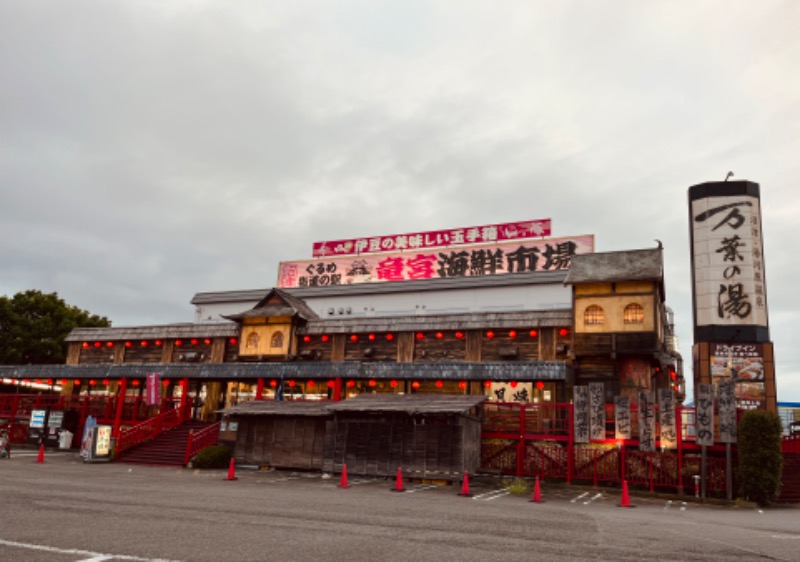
column 729, row 292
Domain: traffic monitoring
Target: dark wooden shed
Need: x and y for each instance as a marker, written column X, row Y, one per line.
column 282, row 434
column 428, row 436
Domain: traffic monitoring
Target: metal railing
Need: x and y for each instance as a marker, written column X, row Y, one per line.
column 198, row 441
column 146, row 430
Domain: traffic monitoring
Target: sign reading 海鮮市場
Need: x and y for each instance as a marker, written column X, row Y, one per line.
column 464, row 261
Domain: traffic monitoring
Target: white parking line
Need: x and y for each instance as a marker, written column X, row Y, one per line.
column 92, row 556
column 583, row 495
column 493, row 495
column 422, row 488
column 594, row 497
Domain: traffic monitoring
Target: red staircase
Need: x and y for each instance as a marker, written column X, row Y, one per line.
column 168, row 448
column 790, row 488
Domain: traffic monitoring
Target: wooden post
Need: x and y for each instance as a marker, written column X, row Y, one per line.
column 184, row 399
column 521, row 443
column 121, row 389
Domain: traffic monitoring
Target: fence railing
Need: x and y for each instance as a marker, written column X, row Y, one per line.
column 146, row 430
column 198, row 441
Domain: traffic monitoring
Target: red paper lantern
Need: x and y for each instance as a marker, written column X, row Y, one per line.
column 439, row 384
column 514, row 384
column 512, row 334
column 324, row 337
column 307, row 339
column 331, row 384
column 490, row 334
column 487, row 384
column 85, row 344
column 393, row 384
column 194, row 341
column 273, row 383
column 415, row 384
column 143, row 343
column 63, row 381
column 310, row 384
column 165, row 383
column 158, row 343
column 135, row 383
column 563, row 332
column 178, row 343
column 372, row 382
column 389, row 337
column 97, row 344
column 534, row 333
column 459, row 335
column 351, row 384
column 371, row 337
column 420, row 335
column 291, row 384
column 92, row 382
column 207, row 341
column 439, row 335
column 539, row 385
column 105, row 382
column 462, row 385
column 232, row 341
column 77, row 382
column 354, row 338
column 109, row 344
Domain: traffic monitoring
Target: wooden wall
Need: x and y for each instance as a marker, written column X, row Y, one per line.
column 281, row 441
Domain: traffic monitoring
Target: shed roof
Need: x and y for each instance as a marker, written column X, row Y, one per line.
column 279, row 408
column 611, row 267
column 164, row 331
column 408, row 403
column 291, row 306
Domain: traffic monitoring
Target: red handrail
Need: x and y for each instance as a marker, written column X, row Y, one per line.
column 791, row 444
column 148, row 429
column 198, row 441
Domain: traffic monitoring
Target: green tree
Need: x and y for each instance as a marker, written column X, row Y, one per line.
column 33, row 326
column 760, row 457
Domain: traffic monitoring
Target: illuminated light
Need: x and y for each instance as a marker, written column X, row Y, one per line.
column 512, row 334
column 273, row 383
column 92, row 382
column 420, row 336
column 178, row 343
column 135, row 383
column 143, row 343
column 26, row 381
column 128, row 344
column 389, row 337
column 462, row 385
column 513, row 384
column 393, row 384
column 351, row 384
column 109, row 344
column 459, row 335
column 63, row 381
column 372, row 382
column 415, row 384
column 194, row 341
column 331, row 384
column 307, row 339
column 158, row 343
column 310, row 384
column 673, row 375
column 371, row 337
column 354, row 337
column 49, row 381
column 324, row 337
column 675, row 388
column 563, row 332
column 540, row 385
column 105, row 382
column 77, row 382
column 487, row 384
column 232, row 341
column 38, row 381
column 85, row 344
column 97, row 344
column 439, row 384
column 490, row 334
column 534, row 333
column 439, row 335
column 165, row 383
column 291, row 384
column 207, row 341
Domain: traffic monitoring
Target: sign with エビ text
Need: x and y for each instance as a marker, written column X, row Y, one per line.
column 580, row 407
column 434, row 239
column 666, row 412
column 552, row 254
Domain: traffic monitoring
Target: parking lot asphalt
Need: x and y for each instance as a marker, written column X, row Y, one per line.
column 64, row 509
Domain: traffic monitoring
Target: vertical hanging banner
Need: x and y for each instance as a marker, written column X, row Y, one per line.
column 704, row 414
column 153, row 390
column 666, row 412
column 580, row 406
column 726, row 399
column 622, row 417
column 597, row 416
column 647, row 422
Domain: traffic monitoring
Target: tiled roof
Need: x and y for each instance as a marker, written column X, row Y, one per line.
column 165, row 331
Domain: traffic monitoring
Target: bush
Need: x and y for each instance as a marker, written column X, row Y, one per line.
column 215, row 456
column 760, row 458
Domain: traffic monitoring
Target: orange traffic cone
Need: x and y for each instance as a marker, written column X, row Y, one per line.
column 231, row 471
column 626, row 500
column 465, row 486
column 40, row 458
column 537, row 493
column 398, row 485
column 343, row 482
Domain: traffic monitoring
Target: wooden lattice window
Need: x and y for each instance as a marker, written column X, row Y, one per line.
column 277, row 340
column 634, row 314
column 594, row 315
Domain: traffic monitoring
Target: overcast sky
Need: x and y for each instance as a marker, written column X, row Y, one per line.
column 150, row 150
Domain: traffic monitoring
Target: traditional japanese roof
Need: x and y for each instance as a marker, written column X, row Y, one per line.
column 463, row 321
column 291, row 306
column 408, row 403
column 613, row 267
column 166, row 331
column 315, row 370
column 412, row 286
column 279, row 408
